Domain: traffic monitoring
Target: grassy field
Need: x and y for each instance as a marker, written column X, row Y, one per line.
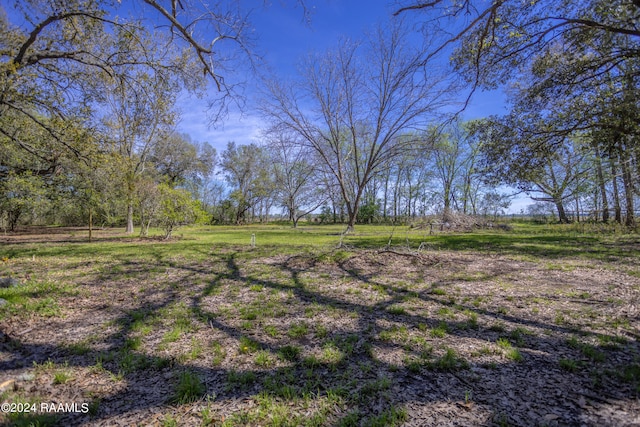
column 537, row 325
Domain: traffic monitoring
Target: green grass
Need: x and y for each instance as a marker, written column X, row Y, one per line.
column 241, row 379
column 569, row 365
column 548, row 241
column 440, row 331
column 289, row 353
column 298, row 330
column 450, row 361
column 34, row 298
column 189, row 388
column 247, row 346
column 218, row 352
column 396, row 310
column 280, row 330
column 61, row 377
column 264, row 359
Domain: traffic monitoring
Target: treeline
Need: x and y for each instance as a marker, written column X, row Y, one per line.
column 282, row 178
column 111, row 185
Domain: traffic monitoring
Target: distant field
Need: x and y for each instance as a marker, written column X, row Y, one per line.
column 537, row 325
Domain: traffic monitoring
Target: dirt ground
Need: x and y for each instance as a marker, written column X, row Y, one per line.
column 435, row 338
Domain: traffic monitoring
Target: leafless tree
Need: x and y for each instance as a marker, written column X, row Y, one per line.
column 298, row 186
column 356, row 104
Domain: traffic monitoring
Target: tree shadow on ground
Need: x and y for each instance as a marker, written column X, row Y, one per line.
column 363, row 359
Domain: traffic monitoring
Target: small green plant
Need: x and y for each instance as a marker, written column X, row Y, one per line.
column 560, row 319
column 219, row 353
column 373, row 387
column 631, row 374
column 350, row 420
column 391, row 417
column 396, row 310
column 497, row 327
column 504, row 343
column 289, row 353
column 321, row 331
column 445, row 312
column 61, row 377
column 568, row 365
column 207, row 417
column 169, row 421
column 271, row 330
column 450, row 361
column 485, row 350
column 592, row 353
column 79, row 348
column 298, row 330
column 94, row 406
column 517, row 335
column 196, row 349
column 472, row 319
column 311, row 361
column 331, row 354
column 514, row 355
column 248, row 313
column 440, row 331
column 189, row 388
column 264, row 359
column 247, row 345
column 240, row 379
column 132, row 343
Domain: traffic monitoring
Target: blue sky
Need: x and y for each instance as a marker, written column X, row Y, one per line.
column 282, row 38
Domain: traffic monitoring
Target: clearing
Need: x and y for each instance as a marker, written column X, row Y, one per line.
column 536, row 326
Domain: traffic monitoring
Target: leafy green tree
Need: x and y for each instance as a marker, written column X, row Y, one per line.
column 177, row 207
column 179, row 159
column 246, row 169
column 50, row 52
column 20, row 195
column 573, row 65
column 136, row 118
column 369, row 211
column 548, row 176
column 491, row 39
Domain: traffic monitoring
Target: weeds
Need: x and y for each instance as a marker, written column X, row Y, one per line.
column 189, row 388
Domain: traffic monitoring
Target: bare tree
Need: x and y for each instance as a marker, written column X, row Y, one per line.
column 298, row 187
column 353, row 106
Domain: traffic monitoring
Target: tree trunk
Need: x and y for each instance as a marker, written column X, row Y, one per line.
column 616, row 194
column 603, row 189
column 386, row 195
column 129, row 217
column 90, row 223
column 446, row 216
column 143, row 232
column 561, row 212
column 628, row 187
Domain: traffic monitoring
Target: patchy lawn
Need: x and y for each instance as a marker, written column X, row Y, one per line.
column 194, row 332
